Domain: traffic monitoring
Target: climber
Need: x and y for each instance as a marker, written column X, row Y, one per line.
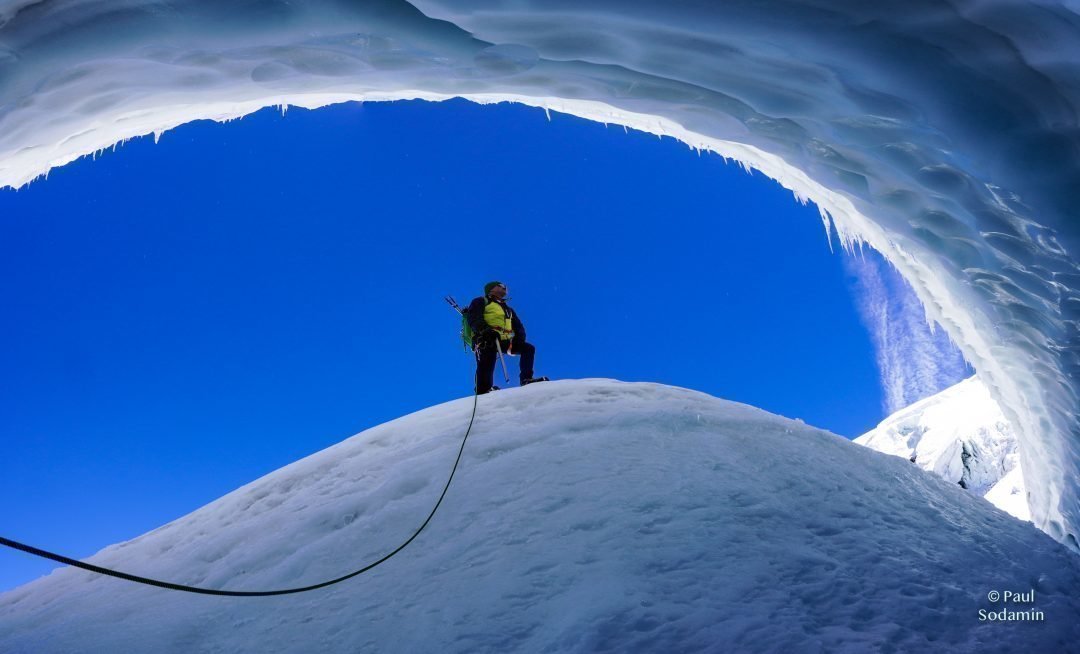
column 495, row 325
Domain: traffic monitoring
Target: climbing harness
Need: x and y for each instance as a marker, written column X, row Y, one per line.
column 251, row 593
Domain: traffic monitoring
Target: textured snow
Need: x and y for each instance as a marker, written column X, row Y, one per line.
column 944, row 134
column 587, row 516
column 1010, row 495
column 961, row 435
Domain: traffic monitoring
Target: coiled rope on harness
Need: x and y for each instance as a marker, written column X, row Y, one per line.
column 250, row 593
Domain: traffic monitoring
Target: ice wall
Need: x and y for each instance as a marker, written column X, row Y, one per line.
column 942, row 133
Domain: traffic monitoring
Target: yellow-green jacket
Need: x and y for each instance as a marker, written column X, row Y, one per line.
column 490, row 314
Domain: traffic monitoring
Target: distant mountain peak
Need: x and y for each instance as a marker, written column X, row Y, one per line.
column 961, row 435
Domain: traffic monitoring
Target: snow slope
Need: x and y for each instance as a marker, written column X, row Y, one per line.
column 961, row 435
column 587, row 516
column 943, row 133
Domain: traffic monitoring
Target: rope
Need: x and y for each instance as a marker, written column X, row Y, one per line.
column 248, row 593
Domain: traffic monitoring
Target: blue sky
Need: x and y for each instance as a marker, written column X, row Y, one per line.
column 189, row 315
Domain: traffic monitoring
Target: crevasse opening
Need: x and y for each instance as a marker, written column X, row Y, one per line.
column 944, row 138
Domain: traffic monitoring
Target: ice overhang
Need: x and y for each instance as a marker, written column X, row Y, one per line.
column 946, row 135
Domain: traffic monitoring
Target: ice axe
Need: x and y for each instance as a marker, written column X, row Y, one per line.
column 498, row 346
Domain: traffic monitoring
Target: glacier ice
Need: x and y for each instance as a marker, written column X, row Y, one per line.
column 944, row 134
column 586, row 516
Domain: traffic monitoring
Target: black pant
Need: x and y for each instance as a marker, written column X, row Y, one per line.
column 485, row 364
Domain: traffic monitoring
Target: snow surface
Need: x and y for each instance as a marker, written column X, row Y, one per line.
column 943, row 133
column 588, row 516
column 961, row 435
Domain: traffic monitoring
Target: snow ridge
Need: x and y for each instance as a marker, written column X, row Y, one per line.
column 588, row 516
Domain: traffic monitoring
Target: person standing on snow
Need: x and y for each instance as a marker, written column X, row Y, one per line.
column 493, row 322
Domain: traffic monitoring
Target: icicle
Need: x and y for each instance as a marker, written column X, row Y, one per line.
column 548, row 113
column 827, row 221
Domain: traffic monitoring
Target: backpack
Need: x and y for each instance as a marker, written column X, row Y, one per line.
column 466, row 331
column 466, row 328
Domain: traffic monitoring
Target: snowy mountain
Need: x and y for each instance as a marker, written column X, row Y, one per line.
column 587, row 516
column 961, row 435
